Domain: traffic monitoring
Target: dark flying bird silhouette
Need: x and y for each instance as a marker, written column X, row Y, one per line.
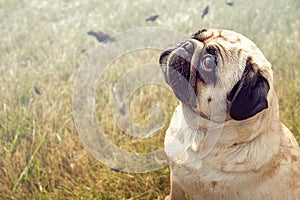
column 122, row 109
column 205, row 12
column 116, row 169
column 152, row 18
column 37, row 90
column 229, row 3
column 101, row 37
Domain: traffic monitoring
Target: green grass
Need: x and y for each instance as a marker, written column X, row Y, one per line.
column 44, row 44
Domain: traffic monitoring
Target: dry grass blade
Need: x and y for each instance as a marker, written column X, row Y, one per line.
column 29, row 164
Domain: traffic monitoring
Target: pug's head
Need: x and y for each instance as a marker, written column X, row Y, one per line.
column 218, row 69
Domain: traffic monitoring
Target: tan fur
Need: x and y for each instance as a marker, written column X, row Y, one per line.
column 256, row 158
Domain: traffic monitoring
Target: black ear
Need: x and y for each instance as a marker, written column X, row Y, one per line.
column 249, row 96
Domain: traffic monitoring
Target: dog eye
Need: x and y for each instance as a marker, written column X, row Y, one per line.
column 208, row 62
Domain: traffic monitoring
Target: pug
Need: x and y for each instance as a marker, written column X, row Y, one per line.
column 225, row 140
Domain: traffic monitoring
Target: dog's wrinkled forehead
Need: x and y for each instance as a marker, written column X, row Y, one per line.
column 232, row 41
column 224, row 36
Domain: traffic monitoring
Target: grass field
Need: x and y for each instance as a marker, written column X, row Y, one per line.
column 43, row 44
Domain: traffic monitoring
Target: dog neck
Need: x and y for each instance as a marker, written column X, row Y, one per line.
column 231, row 132
column 197, row 120
column 253, row 126
column 236, row 136
column 206, row 132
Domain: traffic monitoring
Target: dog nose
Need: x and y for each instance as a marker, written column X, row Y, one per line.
column 189, row 47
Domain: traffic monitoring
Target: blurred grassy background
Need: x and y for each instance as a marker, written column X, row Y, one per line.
column 44, row 43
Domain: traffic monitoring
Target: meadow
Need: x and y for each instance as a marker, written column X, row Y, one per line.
column 42, row 46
